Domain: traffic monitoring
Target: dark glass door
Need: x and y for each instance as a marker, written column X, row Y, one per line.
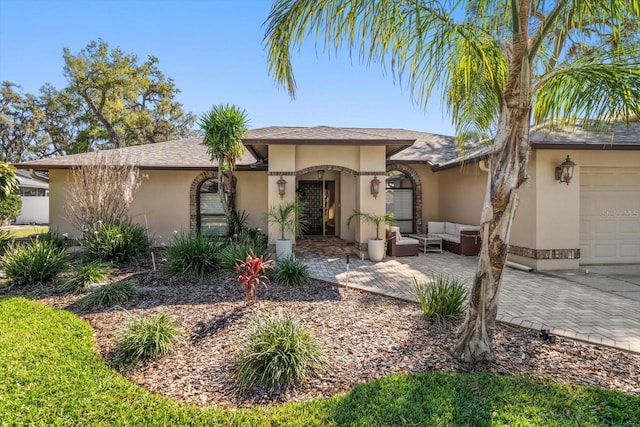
column 311, row 195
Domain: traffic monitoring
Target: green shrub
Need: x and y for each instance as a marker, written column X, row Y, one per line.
column 10, row 207
column 192, row 255
column 234, row 251
column 148, row 338
column 54, row 238
column 120, row 243
column 443, row 298
column 5, row 240
column 291, row 272
column 277, row 351
column 109, row 295
column 34, row 263
column 86, row 275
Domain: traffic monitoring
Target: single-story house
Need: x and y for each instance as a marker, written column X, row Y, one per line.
column 34, row 192
column 423, row 177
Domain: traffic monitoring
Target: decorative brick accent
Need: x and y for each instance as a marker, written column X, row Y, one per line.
column 193, row 198
column 544, row 253
column 417, row 192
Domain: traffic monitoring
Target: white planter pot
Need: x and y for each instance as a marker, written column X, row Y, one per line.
column 284, row 249
column 376, row 249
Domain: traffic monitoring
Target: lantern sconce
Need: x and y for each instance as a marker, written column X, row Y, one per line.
column 320, row 175
column 281, row 186
column 375, row 187
column 564, row 172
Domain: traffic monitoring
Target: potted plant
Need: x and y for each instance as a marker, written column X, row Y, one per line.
column 289, row 218
column 375, row 246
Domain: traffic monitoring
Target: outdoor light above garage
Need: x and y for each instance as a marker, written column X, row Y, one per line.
column 564, row 172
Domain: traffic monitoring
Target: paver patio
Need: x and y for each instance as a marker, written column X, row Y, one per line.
column 569, row 305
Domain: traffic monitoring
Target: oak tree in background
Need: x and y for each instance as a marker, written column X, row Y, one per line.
column 126, row 102
column 224, row 126
column 20, row 118
column 501, row 65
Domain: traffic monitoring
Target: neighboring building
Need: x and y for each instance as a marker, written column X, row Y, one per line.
column 594, row 219
column 34, row 192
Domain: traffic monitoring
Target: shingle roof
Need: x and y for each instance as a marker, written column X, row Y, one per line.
column 403, row 145
column 176, row 154
column 621, row 136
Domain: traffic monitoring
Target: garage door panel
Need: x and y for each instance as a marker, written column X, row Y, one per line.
column 609, row 215
column 629, row 251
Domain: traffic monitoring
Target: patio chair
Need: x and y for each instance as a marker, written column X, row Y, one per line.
column 399, row 245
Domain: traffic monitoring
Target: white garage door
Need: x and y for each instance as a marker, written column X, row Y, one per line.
column 609, row 215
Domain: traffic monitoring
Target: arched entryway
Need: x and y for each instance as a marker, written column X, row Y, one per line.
column 207, row 213
column 404, row 197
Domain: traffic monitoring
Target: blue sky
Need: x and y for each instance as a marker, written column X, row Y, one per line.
column 213, row 50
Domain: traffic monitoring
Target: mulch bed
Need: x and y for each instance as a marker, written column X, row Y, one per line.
column 367, row 337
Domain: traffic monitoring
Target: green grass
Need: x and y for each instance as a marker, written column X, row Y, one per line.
column 50, row 375
column 18, row 233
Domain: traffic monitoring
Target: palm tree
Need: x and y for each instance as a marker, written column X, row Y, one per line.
column 224, row 126
column 501, row 65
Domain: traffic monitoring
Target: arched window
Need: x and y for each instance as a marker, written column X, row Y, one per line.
column 399, row 194
column 211, row 218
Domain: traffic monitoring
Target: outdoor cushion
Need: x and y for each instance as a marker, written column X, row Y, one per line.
column 435, row 227
column 451, row 228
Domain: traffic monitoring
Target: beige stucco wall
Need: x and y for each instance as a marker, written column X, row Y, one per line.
column 252, row 196
column 335, row 155
column 461, row 194
column 58, row 219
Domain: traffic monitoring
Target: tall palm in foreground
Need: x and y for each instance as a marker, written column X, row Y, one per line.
column 501, row 65
column 224, row 126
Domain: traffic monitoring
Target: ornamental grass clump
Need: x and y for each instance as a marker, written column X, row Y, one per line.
column 5, row 240
column 109, row 295
column 118, row 242
column 192, row 255
column 232, row 251
column 277, row 352
column 443, row 298
column 34, row 263
column 252, row 272
column 142, row 339
column 291, row 272
column 86, row 275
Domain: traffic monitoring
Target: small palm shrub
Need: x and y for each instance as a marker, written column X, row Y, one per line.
column 109, row 295
column 119, row 243
column 151, row 338
column 192, row 255
column 277, row 352
column 86, row 275
column 34, row 263
column 291, row 272
column 443, row 298
column 231, row 252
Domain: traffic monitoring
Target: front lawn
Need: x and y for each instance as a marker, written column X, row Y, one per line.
column 19, row 231
column 51, row 375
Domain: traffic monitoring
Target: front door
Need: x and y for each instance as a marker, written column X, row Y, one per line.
column 311, row 195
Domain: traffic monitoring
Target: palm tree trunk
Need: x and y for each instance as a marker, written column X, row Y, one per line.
column 507, row 173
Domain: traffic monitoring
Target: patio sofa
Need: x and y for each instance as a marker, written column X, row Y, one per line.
column 398, row 245
column 462, row 239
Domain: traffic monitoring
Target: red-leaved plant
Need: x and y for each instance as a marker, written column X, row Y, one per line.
column 251, row 273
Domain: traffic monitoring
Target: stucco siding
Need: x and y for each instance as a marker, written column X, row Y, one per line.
column 252, row 197
column 461, row 194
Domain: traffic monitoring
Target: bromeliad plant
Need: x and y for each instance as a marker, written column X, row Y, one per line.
column 251, row 273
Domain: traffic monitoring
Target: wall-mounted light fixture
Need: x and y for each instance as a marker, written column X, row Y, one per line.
column 281, row 187
column 320, row 174
column 375, row 187
column 564, row 172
